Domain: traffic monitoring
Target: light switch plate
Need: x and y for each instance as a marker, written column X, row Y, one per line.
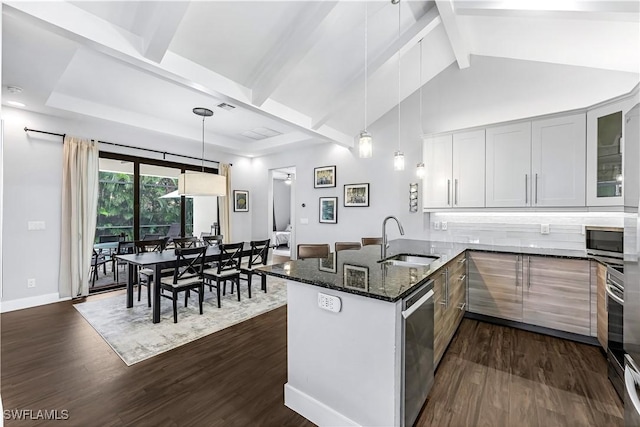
column 436, row 225
column 544, row 228
column 444, row 225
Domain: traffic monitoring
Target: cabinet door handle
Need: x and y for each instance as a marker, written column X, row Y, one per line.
column 517, row 262
column 526, row 189
column 446, row 271
column 536, row 189
column 455, row 191
column 463, row 260
column 462, row 306
column 448, row 192
column 528, row 272
column 464, row 276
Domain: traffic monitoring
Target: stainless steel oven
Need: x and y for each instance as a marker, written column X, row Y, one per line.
column 615, row 308
column 605, row 242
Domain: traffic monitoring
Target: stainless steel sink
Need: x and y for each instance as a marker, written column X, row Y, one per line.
column 410, row 260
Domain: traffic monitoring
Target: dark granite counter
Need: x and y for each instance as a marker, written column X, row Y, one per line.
column 361, row 272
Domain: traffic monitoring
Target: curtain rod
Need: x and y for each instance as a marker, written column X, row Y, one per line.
column 164, row 153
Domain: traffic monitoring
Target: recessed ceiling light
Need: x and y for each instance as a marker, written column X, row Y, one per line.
column 14, row 89
column 16, row 104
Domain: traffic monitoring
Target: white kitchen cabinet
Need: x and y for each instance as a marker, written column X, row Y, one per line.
column 437, row 152
column 468, row 169
column 558, row 151
column 454, row 170
column 605, row 148
column 508, row 165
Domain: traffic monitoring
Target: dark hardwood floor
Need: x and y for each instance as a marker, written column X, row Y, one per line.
column 490, row 375
column 498, row 376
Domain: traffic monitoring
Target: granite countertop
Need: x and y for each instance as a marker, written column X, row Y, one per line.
column 361, row 272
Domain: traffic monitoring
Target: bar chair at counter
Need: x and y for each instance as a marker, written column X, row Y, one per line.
column 366, row 241
column 313, row 250
column 343, row 246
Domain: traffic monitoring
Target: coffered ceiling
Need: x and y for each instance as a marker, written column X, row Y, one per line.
column 292, row 71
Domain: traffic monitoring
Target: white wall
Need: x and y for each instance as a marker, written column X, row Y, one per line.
column 32, row 190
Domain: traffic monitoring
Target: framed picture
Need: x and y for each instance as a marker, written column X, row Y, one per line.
column 356, row 195
column 324, row 176
column 328, row 264
column 328, row 213
column 240, row 201
column 356, row 277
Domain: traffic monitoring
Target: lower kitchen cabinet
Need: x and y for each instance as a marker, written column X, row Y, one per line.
column 495, row 287
column 556, row 293
column 449, row 288
column 603, row 315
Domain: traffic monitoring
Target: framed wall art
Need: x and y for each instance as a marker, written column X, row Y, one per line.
column 356, row 195
column 240, row 201
column 328, row 211
column 324, row 177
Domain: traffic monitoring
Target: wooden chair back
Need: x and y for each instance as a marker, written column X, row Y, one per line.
column 187, row 266
column 125, row 247
column 366, row 241
column 185, row 242
column 259, row 252
column 342, row 246
column 230, row 256
column 212, row 240
column 313, row 250
column 156, row 245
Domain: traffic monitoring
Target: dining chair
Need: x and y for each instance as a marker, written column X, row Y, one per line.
column 257, row 258
column 185, row 242
column 313, row 250
column 97, row 260
column 124, row 248
column 145, row 275
column 366, row 241
column 228, row 268
column 187, row 276
column 342, row 246
column 212, row 240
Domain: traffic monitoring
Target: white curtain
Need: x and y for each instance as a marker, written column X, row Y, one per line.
column 79, row 213
column 225, row 212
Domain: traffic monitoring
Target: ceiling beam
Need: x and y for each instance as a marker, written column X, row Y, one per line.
column 312, row 24
column 85, row 28
column 157, row 23
column 427, row 23
column 458, row 44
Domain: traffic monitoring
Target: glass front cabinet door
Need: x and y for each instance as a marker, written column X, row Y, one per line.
column 605, row 153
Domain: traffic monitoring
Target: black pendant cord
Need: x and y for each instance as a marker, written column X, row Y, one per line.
column 164, row 153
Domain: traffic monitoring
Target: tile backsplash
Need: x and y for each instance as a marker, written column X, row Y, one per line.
column 566, row 229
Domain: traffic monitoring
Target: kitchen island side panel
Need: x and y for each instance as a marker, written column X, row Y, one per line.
column 344, row 364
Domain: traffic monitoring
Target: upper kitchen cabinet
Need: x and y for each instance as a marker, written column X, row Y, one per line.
column 558, row 152
column 508, row 165
column 605, row 148
column 454, row 170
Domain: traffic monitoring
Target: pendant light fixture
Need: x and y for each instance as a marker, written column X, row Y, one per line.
column 398, row 156
column 420, row 169
column 365, row 144
column 202, row 183
column 288, row 179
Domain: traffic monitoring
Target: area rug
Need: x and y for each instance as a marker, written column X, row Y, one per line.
column 133, row 336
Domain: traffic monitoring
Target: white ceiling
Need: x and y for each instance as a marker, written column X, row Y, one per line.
column 295, row 67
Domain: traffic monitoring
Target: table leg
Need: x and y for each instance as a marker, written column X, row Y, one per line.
column 130, row 269
column 156, row 293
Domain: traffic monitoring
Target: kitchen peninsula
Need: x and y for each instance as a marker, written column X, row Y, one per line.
column 346, row 367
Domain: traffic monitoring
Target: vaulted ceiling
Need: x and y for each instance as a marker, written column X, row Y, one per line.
column 291, row 73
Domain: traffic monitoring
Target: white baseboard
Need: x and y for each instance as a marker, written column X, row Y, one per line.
column 19, row 304
column 314, row 410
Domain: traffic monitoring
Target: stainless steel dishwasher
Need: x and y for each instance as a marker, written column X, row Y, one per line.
column 417, row 351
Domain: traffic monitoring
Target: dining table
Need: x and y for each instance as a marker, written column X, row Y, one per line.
column 157, row 261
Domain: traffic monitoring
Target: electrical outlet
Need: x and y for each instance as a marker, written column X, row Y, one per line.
column 444, row 225
column 544, row 228
column 436, row 225
column 31, row 283
column 329, row 302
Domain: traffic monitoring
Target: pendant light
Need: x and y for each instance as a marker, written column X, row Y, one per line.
column 288, row 179
column 202, row 183
column 420, row 169
column 365, row 144
column 398, row 156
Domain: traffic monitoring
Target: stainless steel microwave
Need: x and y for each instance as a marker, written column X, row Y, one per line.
column 605, row 241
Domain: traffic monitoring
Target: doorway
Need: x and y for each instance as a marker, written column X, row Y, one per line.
column 282, row 213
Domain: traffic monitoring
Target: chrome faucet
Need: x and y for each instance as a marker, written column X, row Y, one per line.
column 385, row 245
